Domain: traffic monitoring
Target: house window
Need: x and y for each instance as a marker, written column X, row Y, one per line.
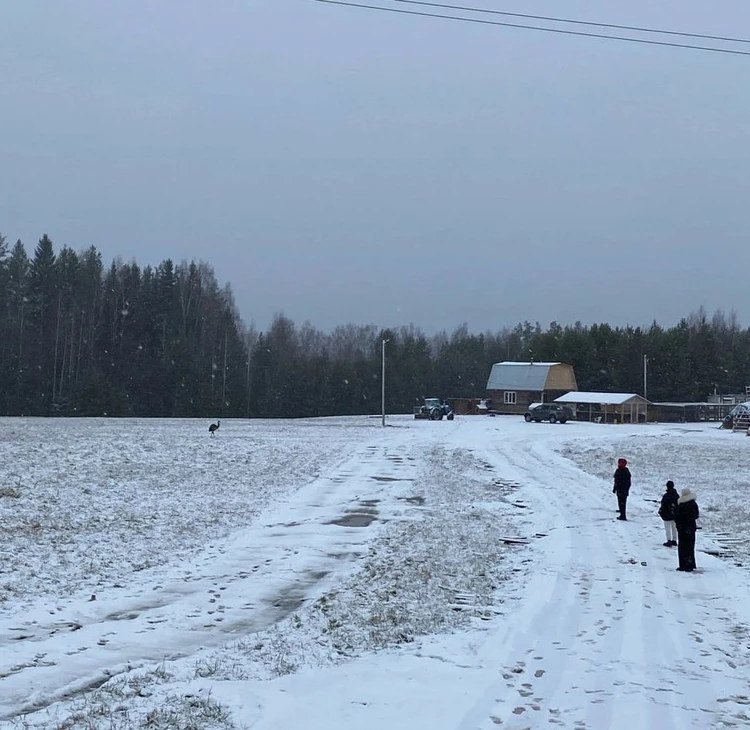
column 509, row 397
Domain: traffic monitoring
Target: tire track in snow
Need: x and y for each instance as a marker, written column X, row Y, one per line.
column 628, row 653
column 539, row 653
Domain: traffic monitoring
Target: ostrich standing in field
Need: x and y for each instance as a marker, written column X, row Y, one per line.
column 214, row 427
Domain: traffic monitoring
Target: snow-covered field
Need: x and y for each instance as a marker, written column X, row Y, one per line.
column 330, row 573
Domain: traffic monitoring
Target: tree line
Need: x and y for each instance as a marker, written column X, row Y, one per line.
column 78, row 338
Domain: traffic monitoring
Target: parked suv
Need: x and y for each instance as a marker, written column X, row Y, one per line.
column 552, row 412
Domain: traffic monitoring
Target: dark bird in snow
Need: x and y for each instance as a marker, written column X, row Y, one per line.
column 214, row 427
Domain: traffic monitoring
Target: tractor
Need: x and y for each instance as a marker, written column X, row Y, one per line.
column 434, row 410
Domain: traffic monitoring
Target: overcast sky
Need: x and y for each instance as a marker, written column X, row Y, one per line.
column 344, row 165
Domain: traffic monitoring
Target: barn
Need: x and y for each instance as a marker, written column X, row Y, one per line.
column 514, row 386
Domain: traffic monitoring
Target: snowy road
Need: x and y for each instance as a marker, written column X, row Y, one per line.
column 609, row 634
column 596, row 629
column 605, row 633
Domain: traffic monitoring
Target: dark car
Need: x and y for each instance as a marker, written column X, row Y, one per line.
column 552, row 412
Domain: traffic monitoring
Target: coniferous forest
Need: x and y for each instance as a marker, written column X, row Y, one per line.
column 82, row 338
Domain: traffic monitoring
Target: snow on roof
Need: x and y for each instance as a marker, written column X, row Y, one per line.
column 519, row 375
column 612, row 399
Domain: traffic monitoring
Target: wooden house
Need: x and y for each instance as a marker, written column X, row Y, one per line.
column 514, row 386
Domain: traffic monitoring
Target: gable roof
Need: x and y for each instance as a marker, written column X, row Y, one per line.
column 610, row 399
column 510, row 375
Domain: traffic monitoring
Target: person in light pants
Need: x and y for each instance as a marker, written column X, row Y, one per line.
column 667, row 511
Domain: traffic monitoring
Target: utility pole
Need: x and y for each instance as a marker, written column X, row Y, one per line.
column 248, row 381
column 382, row 383
column 645, row 377
column 224, row 381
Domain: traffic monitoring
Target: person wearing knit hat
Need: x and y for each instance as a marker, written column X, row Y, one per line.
column 622, row 487
column 685, row 516
column 667, row 510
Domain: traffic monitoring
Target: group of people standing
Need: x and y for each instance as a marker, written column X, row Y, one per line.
column 679, row 513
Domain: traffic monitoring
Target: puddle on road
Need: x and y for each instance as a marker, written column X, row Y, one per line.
column 361, row 516
column 505, row 484
column 275, row 608
column 287, row 604
column 128, row 614
column 354, row 519
column 390, row 479
column 414, row 500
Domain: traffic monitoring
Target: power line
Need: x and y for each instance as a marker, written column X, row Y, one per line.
column 481, row 21
column 575, row 22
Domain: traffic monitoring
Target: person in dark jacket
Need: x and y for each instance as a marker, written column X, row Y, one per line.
column 685, row 516
column 667, row 511
column 622, row 487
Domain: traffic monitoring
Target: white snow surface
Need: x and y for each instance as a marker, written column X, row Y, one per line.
column 329, row 574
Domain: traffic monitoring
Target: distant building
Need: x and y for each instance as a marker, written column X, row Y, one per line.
column 730, row 399
column 514, row 386
column 688, row 412
column 716, row 407
column 607, row 407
